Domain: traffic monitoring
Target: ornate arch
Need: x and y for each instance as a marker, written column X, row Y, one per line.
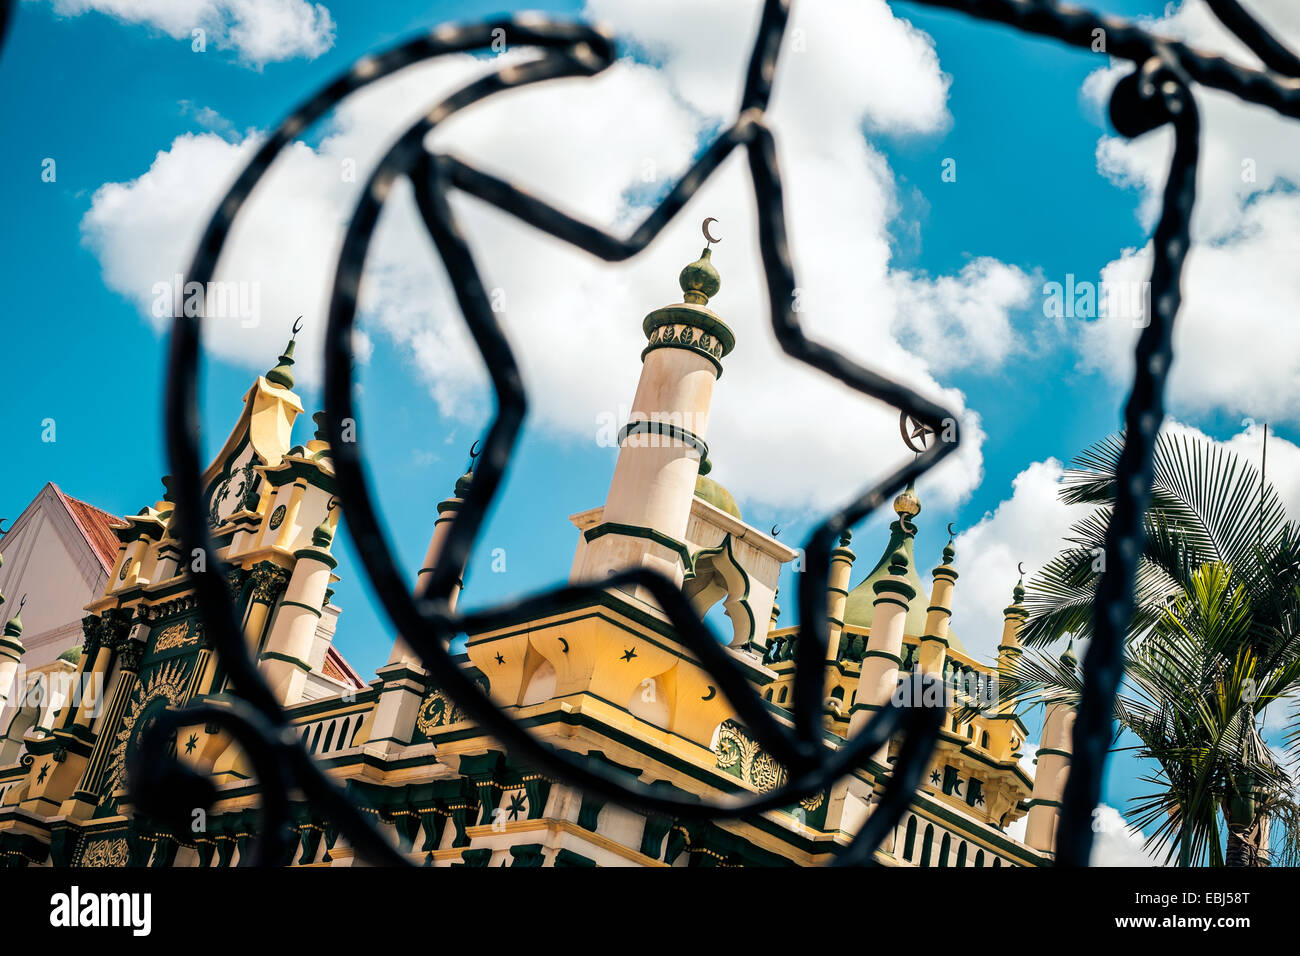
column 715, row 575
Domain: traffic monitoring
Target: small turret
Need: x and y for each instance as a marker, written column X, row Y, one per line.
column 11, row 652
column 934, row 642
column 281, row 374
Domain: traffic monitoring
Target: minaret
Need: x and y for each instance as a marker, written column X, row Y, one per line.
column 884, row 654
column 284, row 659
column 663, row 442
column 1002, row 721
column 282, row 374
column 934, row 644
column 403, row 679
column 1054, row 753
column 11, row 652
column 838, row 593
column 448, row 508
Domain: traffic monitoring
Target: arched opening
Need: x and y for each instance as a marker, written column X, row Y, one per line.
column 944, row 846
column 540, row 686
column 784, row 692
column 11, row 747
column 984, row 740
column 315, row 738
column 909, row 842
column 649, row 701
column 329, row 737
column 979, row 858
column 717, row 576
column 343, row 733
column 961, row 854
column 927, row 844
column 997, row 862
column 767, row 694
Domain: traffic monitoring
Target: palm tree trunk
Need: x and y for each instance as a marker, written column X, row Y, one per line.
column 1247, row 846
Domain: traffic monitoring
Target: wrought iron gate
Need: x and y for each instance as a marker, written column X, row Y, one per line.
column 1159, row 92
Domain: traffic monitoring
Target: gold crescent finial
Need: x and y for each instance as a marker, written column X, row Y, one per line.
column 297, row 326
column 709, row 237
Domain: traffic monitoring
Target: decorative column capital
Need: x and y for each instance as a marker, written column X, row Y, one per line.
column 269, row 581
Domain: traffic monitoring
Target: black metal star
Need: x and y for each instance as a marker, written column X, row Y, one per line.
column 191, row 743
column 1164, row 67
column 516, row 806
column 628, row 655
column 40, row 777
column 934, row 777
column 500, row 659
column 979, row 799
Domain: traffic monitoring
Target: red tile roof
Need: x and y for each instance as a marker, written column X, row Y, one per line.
column 95, row 525
column 337, row 667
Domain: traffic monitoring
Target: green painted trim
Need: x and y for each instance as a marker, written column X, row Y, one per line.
column 1052, row 750
column 664, row 429
column 316, row 554
column 888, row 586
column 694, row 316
column 885, row 654
column 305, row 607
column 277, row 656
column 693, row 349
column 289, row 471
column 636, row 531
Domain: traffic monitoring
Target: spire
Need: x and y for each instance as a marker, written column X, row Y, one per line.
column 463, row 482
column 1069, row 658
column 935, row 640
column 323, row 535
column 14, row 626
column 907, row 506
column 690, row 324
column 281, row 374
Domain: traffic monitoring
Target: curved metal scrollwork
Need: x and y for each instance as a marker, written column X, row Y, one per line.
column 1160, row 94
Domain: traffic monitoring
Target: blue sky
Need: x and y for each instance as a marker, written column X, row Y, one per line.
column 103, row 98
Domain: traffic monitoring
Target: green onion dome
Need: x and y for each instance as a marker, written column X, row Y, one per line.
column 700, row 280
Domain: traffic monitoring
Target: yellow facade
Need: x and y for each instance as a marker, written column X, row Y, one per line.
column 604, row 679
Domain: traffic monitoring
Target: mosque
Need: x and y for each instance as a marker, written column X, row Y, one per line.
column 605, row 680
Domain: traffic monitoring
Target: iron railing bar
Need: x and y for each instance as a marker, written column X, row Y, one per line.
column 1163, row 84
column 1246, row 28
column 347, row 458
column 761, row 74
column 426, row 621
column 1124, row 39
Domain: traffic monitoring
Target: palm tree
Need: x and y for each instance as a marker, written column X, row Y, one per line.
column 1213, row 642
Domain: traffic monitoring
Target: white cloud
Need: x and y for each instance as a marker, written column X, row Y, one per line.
column 1031, row 525
column 262, row 31
column 1236, row 346
column 574, row 321
column 1283, row 468
column 964, row 320
column 1117, row 844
